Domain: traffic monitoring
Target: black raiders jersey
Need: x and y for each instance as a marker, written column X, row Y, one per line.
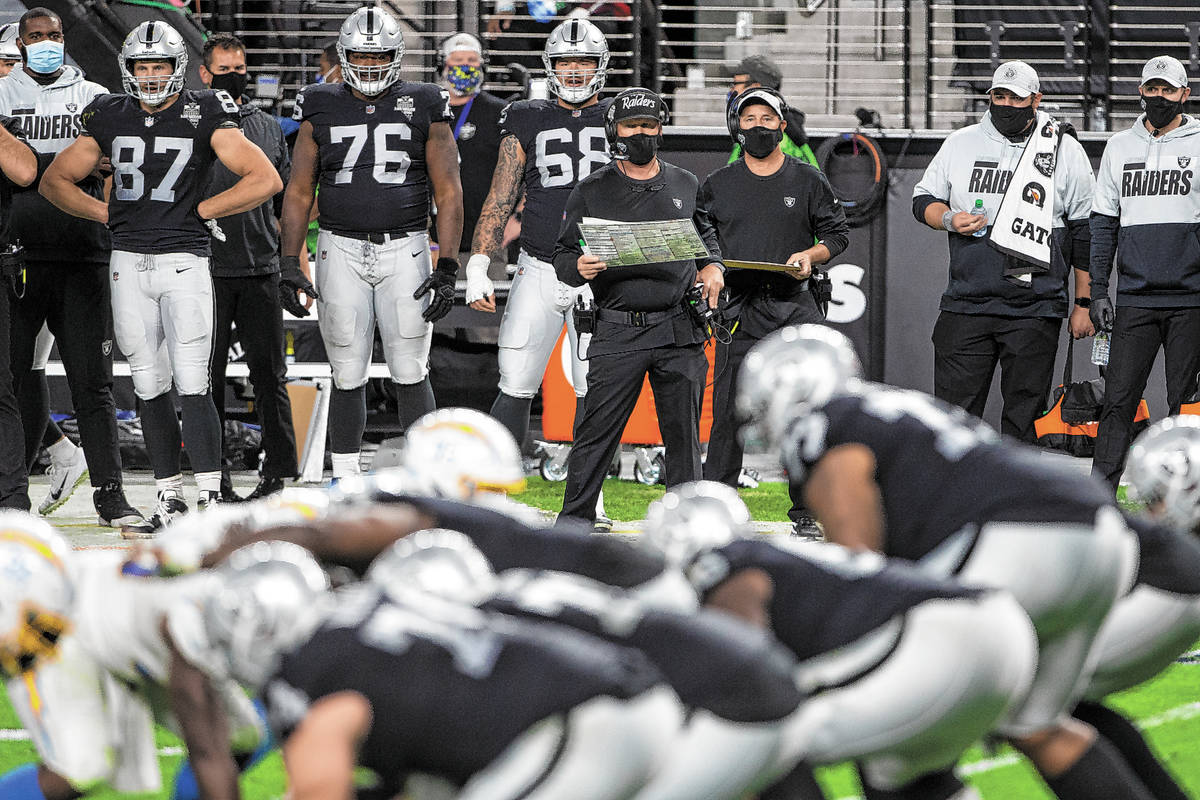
column 562, row 147
column 712, row 661
column 1167, row 560
column 825, row 596
column 939, row 469
column 160, row 165
column 373, row 175
column 450, row 687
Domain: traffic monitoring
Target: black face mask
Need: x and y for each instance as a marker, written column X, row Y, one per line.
column 232, row 82
column 1160, row 111
column 759, row 141
column 640, row 148
column 1012, row 120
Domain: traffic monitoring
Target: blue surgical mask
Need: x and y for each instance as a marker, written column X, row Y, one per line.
column 324, row 76
column 465, row 80
column 44, row 57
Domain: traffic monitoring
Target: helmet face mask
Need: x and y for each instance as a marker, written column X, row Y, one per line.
column 1164, row 471
column 370, row 31
column 148, row 43
column 576, row 41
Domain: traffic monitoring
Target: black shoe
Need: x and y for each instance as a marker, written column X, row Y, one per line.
column 602, row 524
column 170, row 506
column 806, row 527
column 113, row 509
column 266, row 486
column 228, row 495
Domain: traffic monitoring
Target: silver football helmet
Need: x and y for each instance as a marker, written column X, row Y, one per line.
column 370, row 30
column 790, row 373
column 461, row 452
column 153, row 41
column 268, row 598
column 8, row 43
column 694, row 517
column 1164, row 471
column 582, row 39
column 438, row 562
column 35, row 591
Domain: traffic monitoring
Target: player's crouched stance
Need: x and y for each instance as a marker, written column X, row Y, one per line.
column 161, row 140
column 409, row 682
column 905, row 671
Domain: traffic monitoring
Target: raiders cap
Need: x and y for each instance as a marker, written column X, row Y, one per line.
column 1165, row 68
column 1018, row 77
column 637, row 103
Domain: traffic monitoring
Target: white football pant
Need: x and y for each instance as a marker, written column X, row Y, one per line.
column 41, row 349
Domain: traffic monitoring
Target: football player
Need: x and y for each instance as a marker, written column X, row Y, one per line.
column 547, row 147
column 132, row 643
column 161, row 139
column 905, row 671
column 380, row 148
column 737, row 680
column 408, row 682
column 906, row 475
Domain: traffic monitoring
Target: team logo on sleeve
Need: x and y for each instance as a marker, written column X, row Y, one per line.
column 678, row 203
column 789, row 201
column 1184, row 161
column 191, row 112
column 1034, row 193
column 405, row 105
column 1044, row 162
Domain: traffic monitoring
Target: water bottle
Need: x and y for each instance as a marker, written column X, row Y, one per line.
column 1100, row 349
column 979, row 211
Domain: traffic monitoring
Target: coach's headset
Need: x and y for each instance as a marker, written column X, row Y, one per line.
column 633, row 104
column 732, row 117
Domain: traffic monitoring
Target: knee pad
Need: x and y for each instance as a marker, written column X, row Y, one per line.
column 407, row 369
column 192, row 320
column 338, row 324
column 150, row 381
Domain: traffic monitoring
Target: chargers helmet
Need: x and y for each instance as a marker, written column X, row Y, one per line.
column 460, row 452
column 35, row 591
column 1164, row 470
column 438, row 562
column 8, row 43
column 267, row 598
column 790, row 373
column 370, row 30
column 581, row 39
column 153, row 41
column 694, row 517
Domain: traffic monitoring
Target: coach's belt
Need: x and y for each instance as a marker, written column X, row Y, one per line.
column 637, row 319
column 375, row 238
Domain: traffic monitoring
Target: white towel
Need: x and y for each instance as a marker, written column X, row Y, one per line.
column 1023, row 225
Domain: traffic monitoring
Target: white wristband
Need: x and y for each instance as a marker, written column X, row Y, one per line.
column 947, row 220
column 478, row 265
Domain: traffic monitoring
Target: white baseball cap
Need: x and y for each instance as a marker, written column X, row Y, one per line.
column 1165, row 68
column 461, row 41
column 1018, row 77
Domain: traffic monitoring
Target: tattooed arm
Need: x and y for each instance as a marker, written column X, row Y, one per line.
column 507, row 182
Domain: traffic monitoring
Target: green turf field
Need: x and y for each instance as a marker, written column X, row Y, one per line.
column 1168, row 708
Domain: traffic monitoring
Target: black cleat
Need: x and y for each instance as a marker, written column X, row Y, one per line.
column 113, row 509
column 266, row 486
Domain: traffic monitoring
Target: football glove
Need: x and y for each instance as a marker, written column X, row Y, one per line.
column 214, row 230
column 1101, row 313
column 292, row 280
column 441, row 283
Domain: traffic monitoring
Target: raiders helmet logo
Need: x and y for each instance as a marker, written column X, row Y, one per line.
column 106, row 347
column 405, row 105
column 191, row 112
column 678, row 203
column 1034, row 193
column 1184, row 161
column 789, row 201
column 1044, row 163
column 71, row 107
column 1010, row 73
column 1048, row 129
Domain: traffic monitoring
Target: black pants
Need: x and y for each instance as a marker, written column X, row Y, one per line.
column 1136, row 336
column 966, row 348
column 73, row 301
column 252, row 303
column 724, row 462
column 677, row 379
column 14, row 479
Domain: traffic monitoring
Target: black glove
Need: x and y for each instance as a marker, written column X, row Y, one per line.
column 292, row 280
column 441, row 282
column 1101, row 313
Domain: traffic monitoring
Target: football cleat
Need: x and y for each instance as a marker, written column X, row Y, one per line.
column 170, row 506
column 113, row 509
column 64, row 480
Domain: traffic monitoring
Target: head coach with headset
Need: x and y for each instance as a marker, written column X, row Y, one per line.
column 641, row 323
column 772, row 208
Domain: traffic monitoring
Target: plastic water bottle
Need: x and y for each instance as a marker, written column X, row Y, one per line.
column 979, row 211
column 1100, row 349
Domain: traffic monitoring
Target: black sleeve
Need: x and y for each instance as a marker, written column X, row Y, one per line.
column 708, row 233
column 829, row 218
column 13, row 126
column 922, row 202
column 283, row 163
column 1079, row 243
column 1103, row 248
column 568, row 250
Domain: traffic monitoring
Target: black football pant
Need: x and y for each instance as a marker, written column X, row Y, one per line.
column 14, row 478
column 677, row 377
column 73, row 301
column 966, row 349
column 252, row 303
column 724, row 462
column 1136, row 336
